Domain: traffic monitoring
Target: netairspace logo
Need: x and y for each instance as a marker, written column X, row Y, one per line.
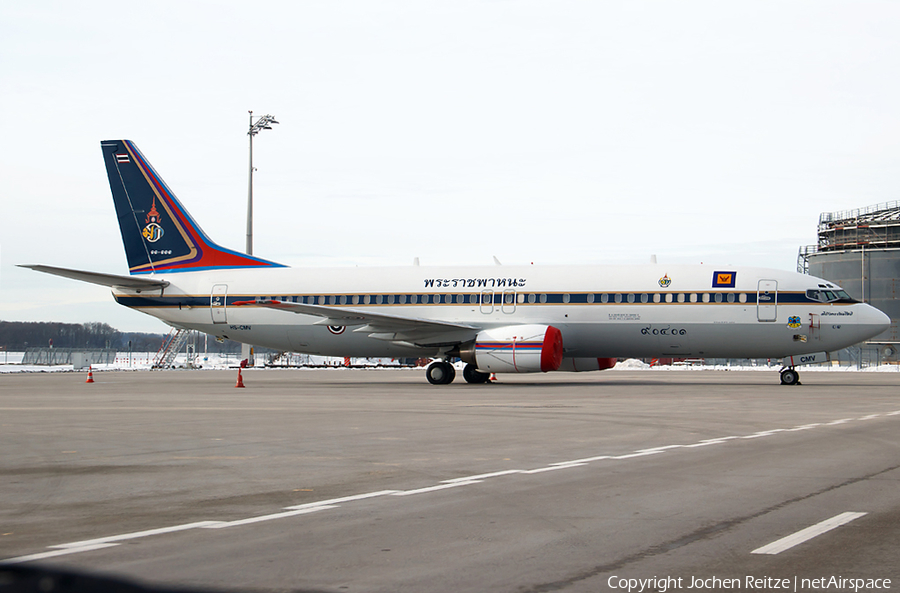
column 795, row 584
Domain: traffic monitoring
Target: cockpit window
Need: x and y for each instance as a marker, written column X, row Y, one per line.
column 830, row 296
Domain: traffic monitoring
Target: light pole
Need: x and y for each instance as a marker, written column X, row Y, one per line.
column 262, row 123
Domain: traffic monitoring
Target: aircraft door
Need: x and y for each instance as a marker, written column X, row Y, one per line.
column 767, row 300
column 487, row 301
column 217, row 303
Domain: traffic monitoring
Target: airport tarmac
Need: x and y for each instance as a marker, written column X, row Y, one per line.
column 374, row 480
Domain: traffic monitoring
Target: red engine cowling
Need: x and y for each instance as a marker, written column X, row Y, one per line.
column 578, row 365
column 516, row 349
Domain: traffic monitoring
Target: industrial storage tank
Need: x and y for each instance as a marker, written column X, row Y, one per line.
column 860, row 251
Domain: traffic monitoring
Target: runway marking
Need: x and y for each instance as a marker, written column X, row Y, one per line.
column 663, row 448
column 807, row 534
column 554, row 467
column 434, row 488
column 54, row 553
column 764, row 433
column 582, row 461
column 307, row 508
column 334, row 501
column 483, row 476
column 105, row 542
column 260, row 518
column 137, row 534
column 637, row 454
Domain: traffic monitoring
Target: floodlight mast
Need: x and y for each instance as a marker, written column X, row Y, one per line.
column 262, row 123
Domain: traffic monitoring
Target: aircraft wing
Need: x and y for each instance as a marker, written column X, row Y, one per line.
column 111, row 280
column 393, row 328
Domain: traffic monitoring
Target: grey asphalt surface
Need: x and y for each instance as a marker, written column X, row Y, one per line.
column 559, row 482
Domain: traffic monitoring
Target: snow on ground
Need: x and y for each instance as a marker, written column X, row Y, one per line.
column 11, row 362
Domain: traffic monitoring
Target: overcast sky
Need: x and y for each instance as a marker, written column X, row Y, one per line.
column 550, row 132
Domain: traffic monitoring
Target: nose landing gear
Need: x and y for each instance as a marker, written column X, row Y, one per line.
column 789, row 376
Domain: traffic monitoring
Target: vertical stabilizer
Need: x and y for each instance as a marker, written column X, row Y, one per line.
column 158, row 233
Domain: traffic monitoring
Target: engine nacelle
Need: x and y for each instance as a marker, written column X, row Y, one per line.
column 578, row 365
column 516, row 349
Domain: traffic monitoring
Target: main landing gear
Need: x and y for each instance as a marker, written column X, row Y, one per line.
column 789, row 376
column 441, row 372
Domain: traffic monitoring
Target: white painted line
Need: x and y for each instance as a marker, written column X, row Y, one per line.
column 582, row 461
column 551, row 468
column 639, row 454
column 841, row 421
column 137, row 534
column 870, row 416
column 335, row 501
column 804, row 427
column 55, row 553
column 803, row 535
column 434, row 488
column 703, row 444
column 893, row 413
column 765, row 433
column 659, row 449
column 482, row 476
column 248, row 521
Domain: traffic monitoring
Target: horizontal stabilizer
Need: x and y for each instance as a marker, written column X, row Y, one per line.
column 111, row 280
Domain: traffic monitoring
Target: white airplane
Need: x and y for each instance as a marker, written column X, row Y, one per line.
column 497, row 319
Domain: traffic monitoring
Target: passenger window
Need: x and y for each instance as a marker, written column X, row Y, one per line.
column 343, row 299
column 730, row 297
column 532, row 298
column 718, row 297
column 543, row 298
column 590, row 298
column 630, row 297
column 693, row 297
column 645, row 298
column 742, row 297
column 705, row 297
column 378, row 299
column 604, row 298
column 669, row 298
column 618, row 298
column 565, row 298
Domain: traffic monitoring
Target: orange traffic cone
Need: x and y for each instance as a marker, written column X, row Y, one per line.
column 492, row 378
column 240, row 381
column 90, row 378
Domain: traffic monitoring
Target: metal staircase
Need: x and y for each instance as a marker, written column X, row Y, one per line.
column 170, row 347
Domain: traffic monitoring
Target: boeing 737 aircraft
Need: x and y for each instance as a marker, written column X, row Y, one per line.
column 497, row 319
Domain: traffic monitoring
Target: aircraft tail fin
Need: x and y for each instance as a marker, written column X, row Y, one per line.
column 158, row 232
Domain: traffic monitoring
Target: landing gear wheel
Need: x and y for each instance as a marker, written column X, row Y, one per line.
column 790, row 377
column 473, row 375
column 440, row 373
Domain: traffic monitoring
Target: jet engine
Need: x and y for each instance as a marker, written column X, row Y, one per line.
column 515, row 349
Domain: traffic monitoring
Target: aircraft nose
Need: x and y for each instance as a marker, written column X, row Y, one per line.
column 876, row 319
